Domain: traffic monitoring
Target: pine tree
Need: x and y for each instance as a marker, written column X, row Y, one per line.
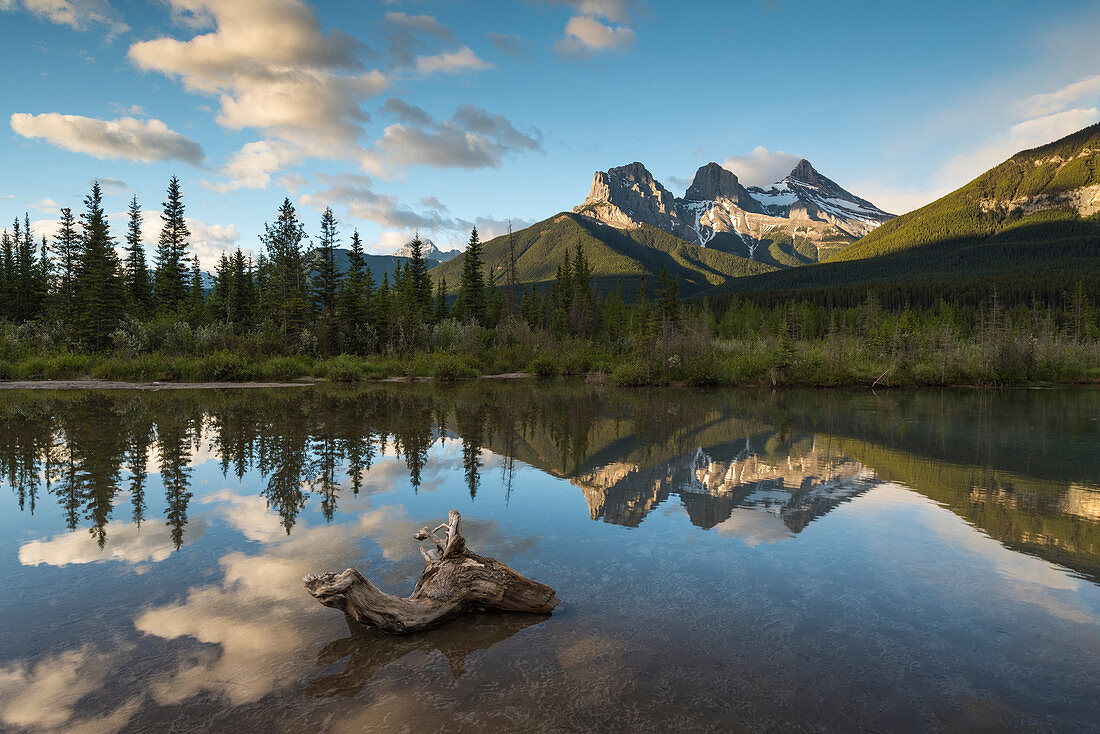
column 196, row 295
column 441, row 300
column 351, row 301
column 7, row 276
column 470, row 304
column 138, row 287
column 99, row 289
column 511, row 296
column 325, row 283
column 285, row 281
column 170, row 283
column 67, row 250
column 326, row 280
column 418, row 284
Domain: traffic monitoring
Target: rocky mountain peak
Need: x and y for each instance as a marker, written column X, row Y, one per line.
column 804, row 172
column 635, row 172
column 713, row 182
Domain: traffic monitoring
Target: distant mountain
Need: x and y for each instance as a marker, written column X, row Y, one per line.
column 429, row 251
column 1038, row 212
column 617, row 255
column 800, row 219
column 379, row 264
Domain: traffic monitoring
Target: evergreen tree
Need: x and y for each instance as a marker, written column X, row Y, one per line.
column 351, row 300
column 138, row 287
column 326, row 280
column 441, row 300
column 196, row 294
column 285, row 280
column 67, row 250
column 470, row 304
column 7, row 276
column 100, row 292
column 325, row 283
column 417, row 286
column 170, row 282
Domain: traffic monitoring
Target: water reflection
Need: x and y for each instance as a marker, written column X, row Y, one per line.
column 740, row 557
column 1017, row 465
column 368, row 650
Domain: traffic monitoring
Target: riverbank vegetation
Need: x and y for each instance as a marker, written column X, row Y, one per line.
column 72, row 308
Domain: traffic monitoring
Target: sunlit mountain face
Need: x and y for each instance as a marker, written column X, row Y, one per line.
column 696, row 538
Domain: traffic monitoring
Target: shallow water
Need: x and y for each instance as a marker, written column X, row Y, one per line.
column 728, row 560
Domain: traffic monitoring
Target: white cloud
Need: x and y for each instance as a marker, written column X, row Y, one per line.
column 585, row 35
column 253, row 165
column 271, row 67
column 472, row 138
column 208, row 242
column 451, row 63
column 761, row 166
column 1021, row 136
column 111, row 186
column 617, row 11
column 1085, row 90
column 126, row 137
column 77, row 14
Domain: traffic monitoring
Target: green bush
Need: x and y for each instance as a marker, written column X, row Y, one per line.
column 542, row 366
column 630, row 374
column 451, row 367
column 344, row 368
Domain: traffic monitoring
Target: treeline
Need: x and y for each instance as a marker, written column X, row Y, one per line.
column 292, row 299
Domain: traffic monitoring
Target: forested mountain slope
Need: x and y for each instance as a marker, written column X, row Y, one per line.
column 625, row 255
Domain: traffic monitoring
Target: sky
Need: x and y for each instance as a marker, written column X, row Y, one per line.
column 441, row 115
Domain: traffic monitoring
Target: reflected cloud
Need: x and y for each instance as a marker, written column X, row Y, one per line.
column 45, row 696
column 128, row 543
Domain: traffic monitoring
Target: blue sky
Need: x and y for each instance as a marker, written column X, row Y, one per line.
column 440, row 115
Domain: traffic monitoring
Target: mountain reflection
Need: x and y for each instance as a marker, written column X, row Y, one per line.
column 1021, row 466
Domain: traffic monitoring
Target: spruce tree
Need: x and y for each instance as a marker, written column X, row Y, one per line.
column 441, row 300
column 67, row 250
column 350, row 301
column 138, row 287
column 196, row 294
column 7, row 276
column 326, row 279
column 100, row 292
column 470, row 304
column 170, row 283
column 418, row 284
column 285, row 281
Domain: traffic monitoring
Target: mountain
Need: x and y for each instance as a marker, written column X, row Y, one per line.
column 623, row 255
column 802, row 218
column 430, row 252
column 1036, row 213
column 379, row 264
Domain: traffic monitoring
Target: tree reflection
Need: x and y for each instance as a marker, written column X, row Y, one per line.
column 793, row 456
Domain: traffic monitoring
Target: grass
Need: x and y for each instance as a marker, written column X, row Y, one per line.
column 759, row 361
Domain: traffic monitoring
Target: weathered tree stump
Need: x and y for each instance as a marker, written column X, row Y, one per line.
column 455, row 580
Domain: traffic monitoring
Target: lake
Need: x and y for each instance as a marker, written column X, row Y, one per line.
column 727, row 559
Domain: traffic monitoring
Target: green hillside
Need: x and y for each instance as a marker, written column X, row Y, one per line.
column 976, row 232
column 615, row 255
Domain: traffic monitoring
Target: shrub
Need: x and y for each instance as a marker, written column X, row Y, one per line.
column 344, row 368
column 543, row 367
column 630, row 374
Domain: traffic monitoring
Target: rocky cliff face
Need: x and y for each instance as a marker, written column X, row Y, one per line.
column 627, row 196
column 430, row 252
column 805, row 209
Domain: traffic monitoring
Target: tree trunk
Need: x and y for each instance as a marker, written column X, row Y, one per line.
column 455, row 580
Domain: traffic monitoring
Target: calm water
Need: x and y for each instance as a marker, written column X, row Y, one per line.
column 728, row 560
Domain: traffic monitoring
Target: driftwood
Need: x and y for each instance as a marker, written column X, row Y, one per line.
column 455, row 580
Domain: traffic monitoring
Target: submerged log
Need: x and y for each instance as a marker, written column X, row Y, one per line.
column 455, row 580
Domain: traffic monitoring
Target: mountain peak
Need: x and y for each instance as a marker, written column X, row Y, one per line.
column 713, row 182
column 636, row 172
column 804, row 172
